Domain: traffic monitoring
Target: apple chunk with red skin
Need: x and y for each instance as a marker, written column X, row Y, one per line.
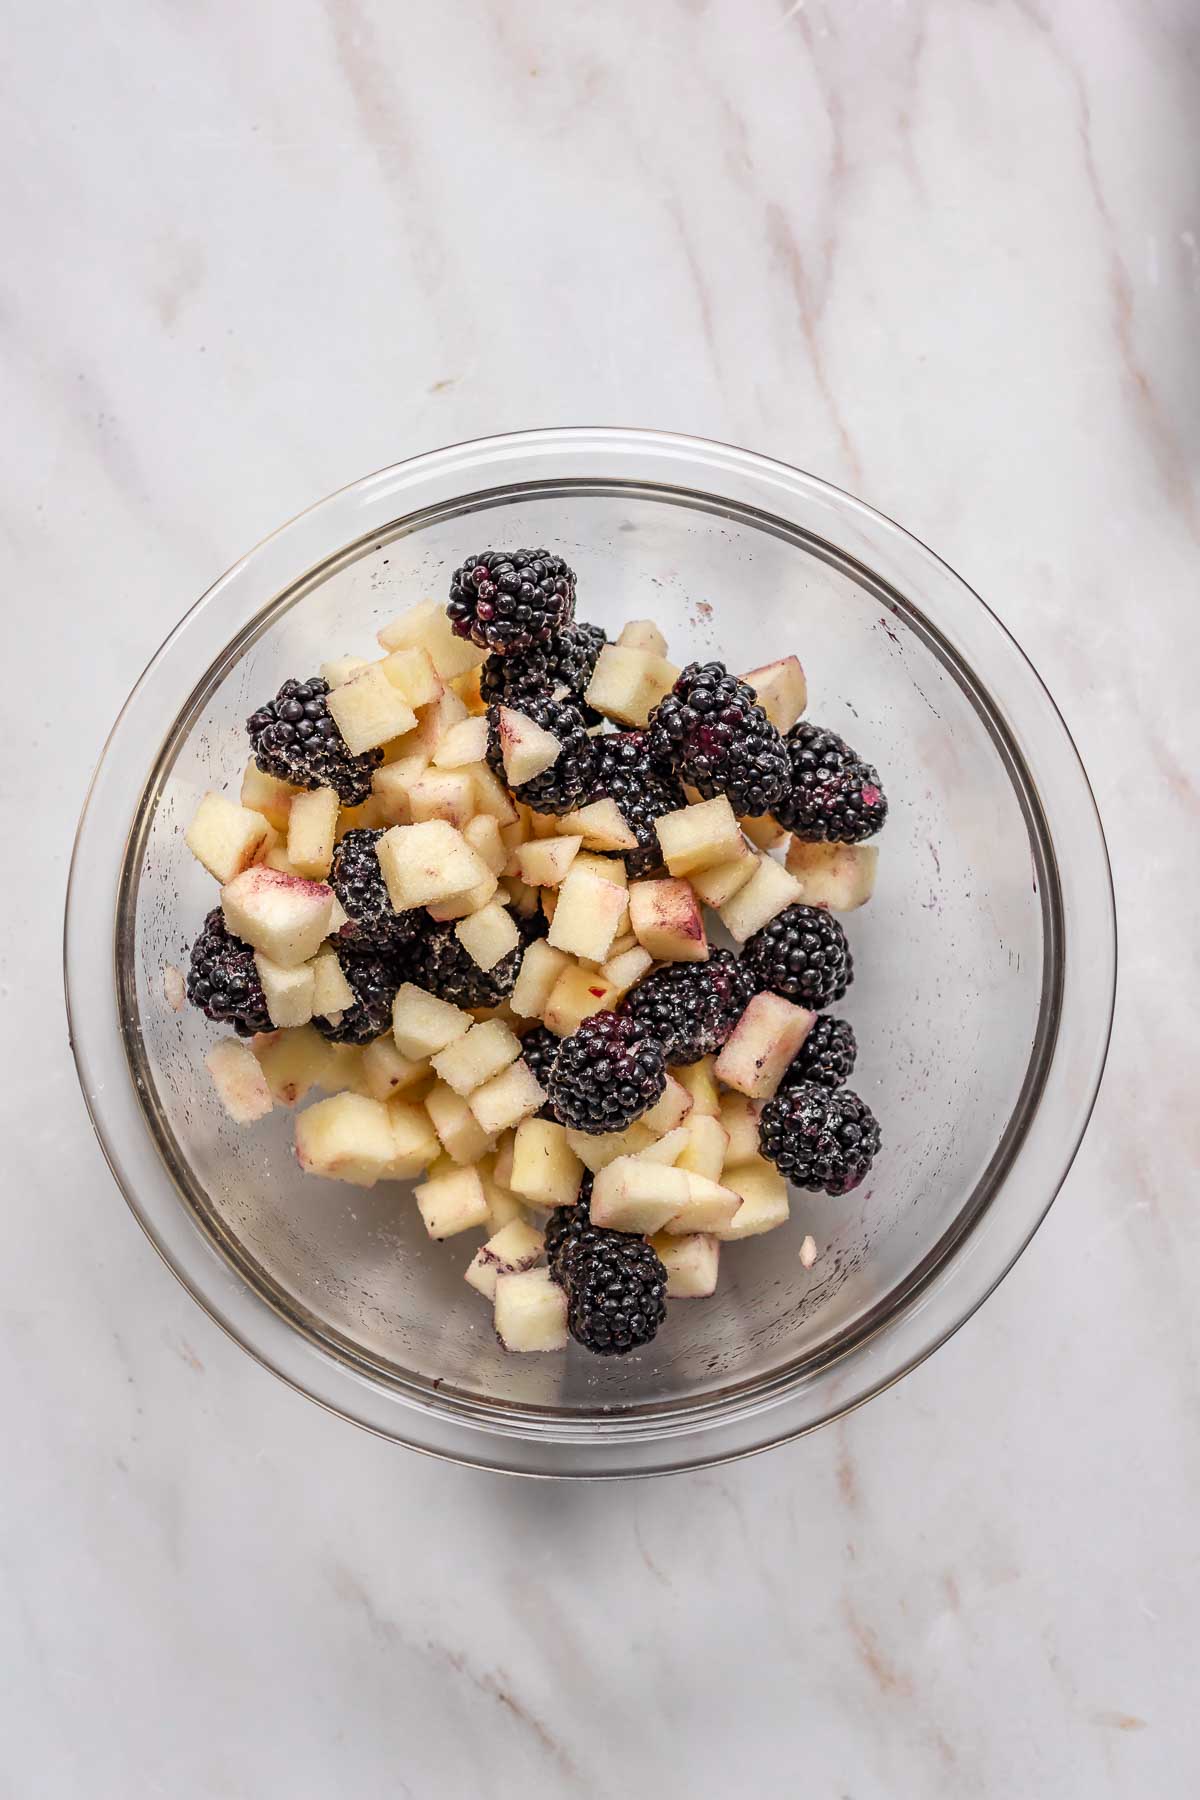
column 781, row 690
column 839, row 877
column 526, row 750
column 763, row 1043
column 284, row 916
column 667, row 920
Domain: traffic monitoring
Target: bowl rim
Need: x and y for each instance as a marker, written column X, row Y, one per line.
column 694, row 1436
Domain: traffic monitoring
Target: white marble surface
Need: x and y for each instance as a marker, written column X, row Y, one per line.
column 946, row 254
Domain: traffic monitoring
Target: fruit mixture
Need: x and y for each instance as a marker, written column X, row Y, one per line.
column 463, row 896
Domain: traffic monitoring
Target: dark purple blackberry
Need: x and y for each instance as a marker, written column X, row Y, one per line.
column 607, row 1074
column 565, row 784
column 802, row 954
column 506, row 600
column 539, row 1048
column 437, row 961
column 561, row 667
column 357, row 880
column 834, row 795
column 294, row 738
column 375, row 975
column 223, row 979
column 826, row 1057
column 717, row 738
column 821, row 1138
column 616, row 1291
column 564, row 1228
column 643, row 791
column 691, row 1008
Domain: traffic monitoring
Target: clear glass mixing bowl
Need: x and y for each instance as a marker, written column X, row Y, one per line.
column 982, row 1001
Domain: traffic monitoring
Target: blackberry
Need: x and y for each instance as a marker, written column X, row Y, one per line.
column 539, row 1048
column 802, row 954
column 827, row 1055
column 834, row 795
column 627, row 773
column 717, row 738
column 357, row 880
column 506, row 600
column 294, row 738
column 223, row 979
column 436, row 960
column 561, row 667
column 375, row 975
column 691, row 1008
column 563, row 786
column 819, row 1137
column 607, row 1074
column 565, row 1227
column 616, row 1291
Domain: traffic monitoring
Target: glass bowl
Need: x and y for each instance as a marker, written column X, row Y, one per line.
column 984, row 964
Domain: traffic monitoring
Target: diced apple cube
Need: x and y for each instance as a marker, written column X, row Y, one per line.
column 667, row 920
column 284, row 916
column 488, row 936
column 427, row 626
column 626, row 970
column 293, row 1062
column 633, row 1195
column 461, row 1135
column 483, row 834
column 575, row 996
column 346, row 1138
column 342, row 1070
column 608, row 868
column 840, row 877
column 699, row 837
column 332, row 993
column 340, row 669
column 601, row 825
column 764, row 1197
column 388, row 1073
column 781, row 690
column 470, row 1061
column 739, row 1119
column 668, row 1148
column 415, row 1142
column 412, row 674
column 717, row 886
column 710, row 1206
column 311, row 826
column 288, row 992
column 226, row 837
column 426, row 862
column 463, row 744
column 705, row 1152
column 540, row 968
column 545, row 1171
column 241, row 1085
column 461, row 906
column 643, row 634
column 491, row 795
column 670, row 1109
column 514, row 1247
column 692, row 1264
column 765, row 833
column 767, row 892
column 762, row 1044
column 628, row 684
column 267, row 795
column 699, row 1078
column 531, row 1311
column 368, row 710
column 502, row 1162
column 588, row 915
column 467, row 687
column 452, row 1203
column 545, row 861
column 389, row 789
column 503, row 1205
column 422, row 1024
column 506, row 1099
column 596, row 1149
column 442, row 794
column 526, row 749
column 522, row 899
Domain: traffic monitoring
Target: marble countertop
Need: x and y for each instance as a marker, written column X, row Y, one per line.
column 946, row 254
